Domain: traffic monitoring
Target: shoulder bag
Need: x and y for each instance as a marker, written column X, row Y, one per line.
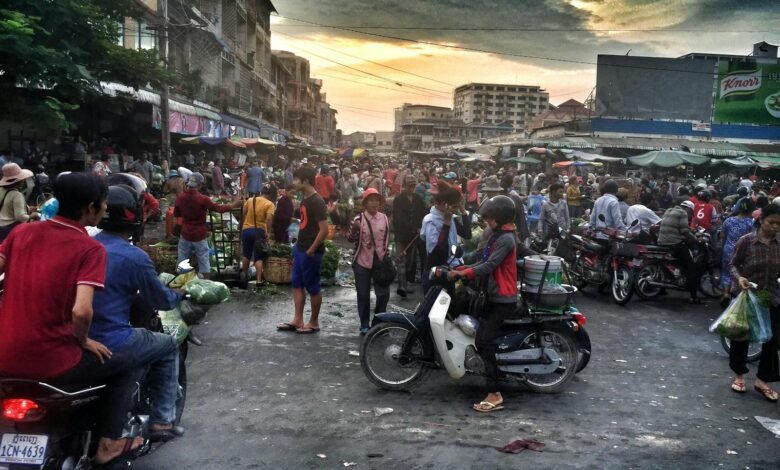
column 382, row 270
column 262, row 247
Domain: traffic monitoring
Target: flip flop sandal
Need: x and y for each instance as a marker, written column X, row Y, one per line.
column 738, row 387
column 768, row 393
column 128, row 455
column 286, row 326
column 487, row 407
column 307, row 331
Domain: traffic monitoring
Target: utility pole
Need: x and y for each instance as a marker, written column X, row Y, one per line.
column 165, row 95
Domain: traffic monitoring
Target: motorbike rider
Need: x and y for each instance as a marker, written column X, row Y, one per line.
column 131, row 278
column 608, row 206
column 676, row 234
column 47, row 308
column 497, row 274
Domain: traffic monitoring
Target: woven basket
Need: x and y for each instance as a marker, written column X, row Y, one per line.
column 278, row 270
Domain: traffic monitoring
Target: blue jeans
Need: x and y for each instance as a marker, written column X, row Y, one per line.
column 160, row 353
column 201, row 249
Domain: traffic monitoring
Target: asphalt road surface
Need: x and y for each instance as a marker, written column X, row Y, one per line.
column 655, row 395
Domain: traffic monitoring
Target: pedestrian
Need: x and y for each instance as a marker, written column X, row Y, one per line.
column 307, row 253
column 255, row 179
column 574, row 197
column 370, row 232
column 193, row 207
column 143, row 167
column 409, row 209
column 374, row 180
column 101, row 167
column 622, row 195
column 608, row 206
column 217, row 178
column 324, row 184
column 756, row 259
column 283, row 215
column 13, row 207
column 734, row 228
column 256, row 227
column 554, row 213
column 441, row 227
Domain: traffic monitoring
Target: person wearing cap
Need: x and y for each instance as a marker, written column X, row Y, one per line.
column 409, row 209
column 13, row 205
column 675, row 233
column 370, row 232
column 193, row 207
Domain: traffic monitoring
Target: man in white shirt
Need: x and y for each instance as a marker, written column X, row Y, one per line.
column 646, row 217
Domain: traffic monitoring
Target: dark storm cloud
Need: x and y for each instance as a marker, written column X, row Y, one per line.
column 573, row 45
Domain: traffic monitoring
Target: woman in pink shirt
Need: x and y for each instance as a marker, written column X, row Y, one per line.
column 472, row 192
column 370, row 231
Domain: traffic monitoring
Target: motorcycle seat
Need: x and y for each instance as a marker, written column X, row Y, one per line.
column 658, row 248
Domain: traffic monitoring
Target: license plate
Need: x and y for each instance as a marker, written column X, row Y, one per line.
column 23, row 448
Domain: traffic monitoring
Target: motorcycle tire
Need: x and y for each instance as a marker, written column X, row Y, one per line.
column 380, row 350
column 644, row 290
column 577, row 279
column 583, row 340
column 710, row 286
column 622, row 287
column 754, row 349
column 565, row 345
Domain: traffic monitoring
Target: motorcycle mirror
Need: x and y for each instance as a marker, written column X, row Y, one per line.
column 456, row 251
column 602, row 218
column 184, row 267
column 635, row 223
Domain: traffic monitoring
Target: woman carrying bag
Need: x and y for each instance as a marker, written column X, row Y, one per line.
column 257, row 225
column 13, row 207
column 371, row 231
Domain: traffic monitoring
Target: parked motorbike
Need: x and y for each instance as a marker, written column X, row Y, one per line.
column 592, row 261
column 539, row 350
column 49, row 428
column 660, row 270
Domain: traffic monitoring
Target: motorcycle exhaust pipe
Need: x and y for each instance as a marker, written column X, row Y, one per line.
column 663, row 285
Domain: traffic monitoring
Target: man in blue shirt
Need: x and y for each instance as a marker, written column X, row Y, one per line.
column 255, row 179
column 130, row 276
column 609, row 206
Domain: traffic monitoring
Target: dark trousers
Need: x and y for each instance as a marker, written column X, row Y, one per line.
column 406, row 260
column 363, row 287
column 768, row 365
column 117, row 401
column 491, row 326
column 683, row 255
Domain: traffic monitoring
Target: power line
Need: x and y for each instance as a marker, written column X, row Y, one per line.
column 375, row 63
column 377, row 86
column 487, row 51
column 530, row 30
column 361, row 109
column 395, row 82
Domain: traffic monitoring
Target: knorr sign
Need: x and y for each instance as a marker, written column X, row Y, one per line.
column 748, row 93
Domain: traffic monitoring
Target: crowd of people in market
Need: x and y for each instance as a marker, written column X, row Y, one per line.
column 403, row 215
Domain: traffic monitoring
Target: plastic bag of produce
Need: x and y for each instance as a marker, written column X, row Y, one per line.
column 173, row 324
column 178, row 281
column 758, row 317
column 207, row 292
column 733, row 322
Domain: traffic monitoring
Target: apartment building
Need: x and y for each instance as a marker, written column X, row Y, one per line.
column 495, row 103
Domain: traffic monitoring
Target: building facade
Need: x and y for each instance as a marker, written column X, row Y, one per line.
column 359, row 139
column 384, row 141
column 495, row 103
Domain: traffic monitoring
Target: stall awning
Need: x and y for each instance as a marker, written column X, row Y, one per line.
column 233, row 121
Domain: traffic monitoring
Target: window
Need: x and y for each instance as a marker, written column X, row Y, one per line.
column 147, row 40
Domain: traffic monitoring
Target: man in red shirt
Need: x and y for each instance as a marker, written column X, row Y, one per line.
column 390, row 174
column 324, row 184
column 46, row 311
column 703, row 212
column 192, row 207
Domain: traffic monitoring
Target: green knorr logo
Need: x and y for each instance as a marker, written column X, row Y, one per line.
column 748, row 93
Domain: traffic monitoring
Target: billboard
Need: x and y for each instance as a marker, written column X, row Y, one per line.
column 654, row 88
column 747, row 93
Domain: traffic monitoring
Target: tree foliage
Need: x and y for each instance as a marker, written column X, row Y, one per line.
column 54, row 53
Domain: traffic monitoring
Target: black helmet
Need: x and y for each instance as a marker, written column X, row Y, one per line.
column 610, row 187
column 124, row 210
column 499, row 208
column 127, row 179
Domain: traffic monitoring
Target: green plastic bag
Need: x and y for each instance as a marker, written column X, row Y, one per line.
column 733, row 322
column 173, row 324
column 207, row 292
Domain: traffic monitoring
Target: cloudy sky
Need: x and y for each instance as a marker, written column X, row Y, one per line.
column 368, row 66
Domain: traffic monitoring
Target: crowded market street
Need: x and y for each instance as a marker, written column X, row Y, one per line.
column 655, row 395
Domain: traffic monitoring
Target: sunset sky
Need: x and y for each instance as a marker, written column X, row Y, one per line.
column 560, row 55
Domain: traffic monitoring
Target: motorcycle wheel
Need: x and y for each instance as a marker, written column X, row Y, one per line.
column 754, row 349
column 379, row 358
column 181, row 397
column 577, row 279
column 622, row 285
column 583, row 340
column 710, row 286
column 566, row 347
column 643, row 289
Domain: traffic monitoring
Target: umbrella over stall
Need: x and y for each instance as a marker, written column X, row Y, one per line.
column 668, row 159
column 528, row 160
column 575, row 163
